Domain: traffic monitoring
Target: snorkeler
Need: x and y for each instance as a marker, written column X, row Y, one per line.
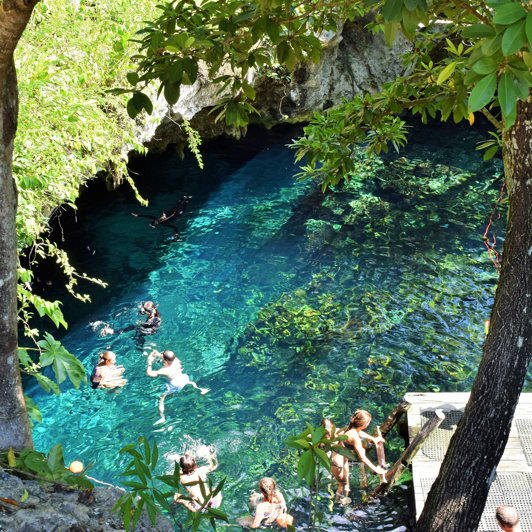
column 173, row 371
column 150, row 326
column 168, row 219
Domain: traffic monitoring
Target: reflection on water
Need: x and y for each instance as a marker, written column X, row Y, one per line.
column 403, row 295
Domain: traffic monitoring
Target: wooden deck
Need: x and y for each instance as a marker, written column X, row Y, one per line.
column 513, row 481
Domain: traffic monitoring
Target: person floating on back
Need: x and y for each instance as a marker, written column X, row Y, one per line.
column 508, row 518
column 191, row 477
column 173, row 371
column 360, row 420
column 168, row 219
column 107, row 374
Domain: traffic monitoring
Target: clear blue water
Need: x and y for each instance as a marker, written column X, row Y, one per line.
column 408, row 294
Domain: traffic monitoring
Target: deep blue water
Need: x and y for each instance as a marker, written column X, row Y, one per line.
column 414, row 289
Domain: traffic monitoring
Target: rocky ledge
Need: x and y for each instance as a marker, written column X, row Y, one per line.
column 47, row 508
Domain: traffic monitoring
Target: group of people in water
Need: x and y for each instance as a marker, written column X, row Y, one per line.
column 269, row 504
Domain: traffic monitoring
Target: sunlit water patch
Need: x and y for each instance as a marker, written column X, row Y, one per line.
column 288, row 305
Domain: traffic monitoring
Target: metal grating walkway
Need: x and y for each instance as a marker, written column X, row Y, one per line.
column 524, row 428
column 438, row 441
column 513, row 481
column 506, row 488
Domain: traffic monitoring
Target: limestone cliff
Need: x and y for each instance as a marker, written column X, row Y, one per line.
column 353, row 61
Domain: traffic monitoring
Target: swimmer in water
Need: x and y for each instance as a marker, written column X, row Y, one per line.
column 191, row 478
column 150, row 326
column 268, row 510
column 107, row 374
column 168, row 219
column 173, row 372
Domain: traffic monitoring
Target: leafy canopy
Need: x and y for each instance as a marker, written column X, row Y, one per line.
column 467, row 56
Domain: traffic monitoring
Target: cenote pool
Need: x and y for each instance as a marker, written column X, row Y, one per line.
column 288, row 304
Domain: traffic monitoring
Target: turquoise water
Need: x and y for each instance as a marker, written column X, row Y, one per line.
column 404, row 285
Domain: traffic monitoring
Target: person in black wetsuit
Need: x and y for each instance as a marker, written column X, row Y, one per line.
column 150, row 326
column 167, row 219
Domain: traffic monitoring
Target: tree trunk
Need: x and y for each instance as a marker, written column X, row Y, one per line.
column 14, row 424
column 457, row 498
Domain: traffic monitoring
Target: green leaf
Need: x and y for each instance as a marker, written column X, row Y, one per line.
column 528, row 30
column 147, row 450
column 126, row 508
column 48, row 385
column 162, row 501
column 446, row 73
column 131, row 108
column 259, row 29
column 63, row 363
column 390, row 31
column 120, row 501
column 154, row 455
column 490, row 153
column 392, row 10
column 36, row 462
column 411, row 4
column 55, row 460
column 410, row 22
column 304, row 464
column 272, row 30
column 249, row 91
column 323, row 458
column 33, row 410
column 144, row 102
column 133, row 484
column 170, row 480
column 509, row 119
column 132, row 77
column 491, row 46
column 478, row 31
column 527, row 58
column 485, row 65
column 506, row 93
column 513, row 38
column 302, row 444
column 508, row 13
column 25, row 496
column 483, row 92
column 318, row 435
